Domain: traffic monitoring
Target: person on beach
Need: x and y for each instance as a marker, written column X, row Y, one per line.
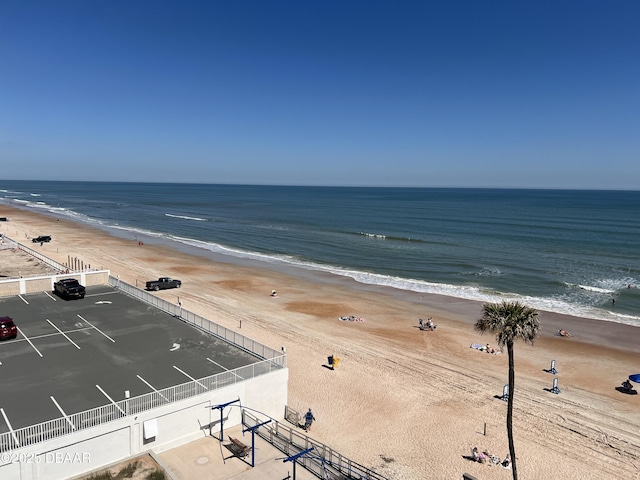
column 478, row 456
column 421, row 322
column 506, row 463
column 475, row 454
column 308, row 420
column 564, row 333
column 626, row 386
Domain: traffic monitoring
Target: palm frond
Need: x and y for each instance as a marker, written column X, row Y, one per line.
column 509, row 321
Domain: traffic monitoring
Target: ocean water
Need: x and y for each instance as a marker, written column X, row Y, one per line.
column 565, row 251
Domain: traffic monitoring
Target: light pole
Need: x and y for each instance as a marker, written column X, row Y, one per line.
column 294, row 458
column 221, row 407
column 253, row 439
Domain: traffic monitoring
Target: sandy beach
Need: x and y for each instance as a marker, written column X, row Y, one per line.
column 409, row 403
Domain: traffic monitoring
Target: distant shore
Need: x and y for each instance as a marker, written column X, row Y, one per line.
column 406, row 402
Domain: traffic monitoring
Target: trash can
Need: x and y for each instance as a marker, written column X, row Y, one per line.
column 335, row 363
column 330, row 360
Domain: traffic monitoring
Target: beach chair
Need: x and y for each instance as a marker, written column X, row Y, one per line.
column 552, row 369
column 505, row 393
column 555, row 388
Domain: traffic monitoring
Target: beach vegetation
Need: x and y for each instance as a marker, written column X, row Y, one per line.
column 509, row 321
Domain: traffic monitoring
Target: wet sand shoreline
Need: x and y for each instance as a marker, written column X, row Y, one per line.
column 417, row 398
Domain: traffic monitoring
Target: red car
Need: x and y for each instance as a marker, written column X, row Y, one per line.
column 8, row 329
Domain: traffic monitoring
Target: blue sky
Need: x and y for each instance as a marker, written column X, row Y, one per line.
column 450, row 93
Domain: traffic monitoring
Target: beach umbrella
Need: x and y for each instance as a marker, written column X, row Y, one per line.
column 635, row 378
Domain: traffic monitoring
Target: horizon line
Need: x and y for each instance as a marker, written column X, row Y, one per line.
column 415, row 187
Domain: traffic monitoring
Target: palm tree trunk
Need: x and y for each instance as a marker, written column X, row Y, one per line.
column 512, row 377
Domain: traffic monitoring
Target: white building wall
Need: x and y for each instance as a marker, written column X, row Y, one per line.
column 178, row 423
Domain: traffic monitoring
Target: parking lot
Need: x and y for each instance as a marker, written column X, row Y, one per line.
column 76, row 355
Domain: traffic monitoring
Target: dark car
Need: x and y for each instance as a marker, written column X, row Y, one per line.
column 69, row 288
column 42, row 239
column 8, row 329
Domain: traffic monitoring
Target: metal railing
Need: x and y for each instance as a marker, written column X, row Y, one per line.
column 7, row 243
column 272, row 360
column 202, row 323
column 36, row 254
column 97, row 416
column 322, row 461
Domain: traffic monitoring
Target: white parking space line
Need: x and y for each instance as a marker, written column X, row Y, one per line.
column 63, row 334
column 62, row 412
column 22, row 298
column 151, row 387
column 48, row 335
column 102, row 294
column 50, row 296
column 110, row 399
column 6, row 420
column 27, row 339
column 85, row 320
column 224, row 368
column 190, row 377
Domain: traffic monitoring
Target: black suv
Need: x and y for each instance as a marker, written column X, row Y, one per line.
column 41, row 239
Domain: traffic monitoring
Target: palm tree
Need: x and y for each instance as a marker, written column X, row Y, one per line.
column 509, row 321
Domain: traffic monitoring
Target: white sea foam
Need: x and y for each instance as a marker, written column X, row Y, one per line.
column 373, row 235
column 595, row 289
column 486, row 272
column 140, row 231
column 557, row 305
column 235, row 252
column 198, row 219
column 272, row 227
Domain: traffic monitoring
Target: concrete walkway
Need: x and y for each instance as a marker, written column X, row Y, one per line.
column 209, row 459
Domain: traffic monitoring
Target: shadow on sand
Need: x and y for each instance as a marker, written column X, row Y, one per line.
column 628, row 392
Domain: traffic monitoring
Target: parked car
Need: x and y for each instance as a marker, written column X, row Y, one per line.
column 42, row 239
column 8, row 329
column 69, row 288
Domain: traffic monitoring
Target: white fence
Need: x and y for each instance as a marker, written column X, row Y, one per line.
column 34, row 253
column 272, row 360
column 90, row 418
column 202, row 323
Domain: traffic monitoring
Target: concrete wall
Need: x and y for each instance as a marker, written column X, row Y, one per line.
column 22, row 286
column 9, row 288
column 178, row 423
